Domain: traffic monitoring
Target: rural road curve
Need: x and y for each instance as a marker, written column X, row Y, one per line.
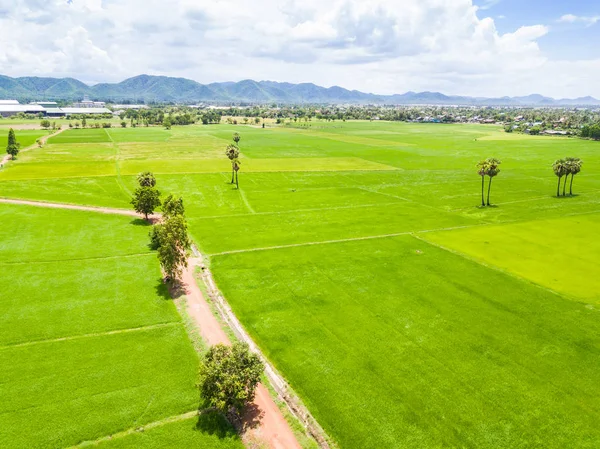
column 273, row 429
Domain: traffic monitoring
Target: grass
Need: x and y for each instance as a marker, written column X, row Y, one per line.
column 24, row 137
column 90, row 343
column 357, row 256
column 426, row 347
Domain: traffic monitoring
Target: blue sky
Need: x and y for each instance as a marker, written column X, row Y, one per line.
column 564, row 40
column 465, row 47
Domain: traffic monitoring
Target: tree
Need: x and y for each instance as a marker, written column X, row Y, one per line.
column 146, row 179
column 233, row 153
column 229, row 377
column 173, row 245
column 167, row 123
column 236, row 138
column 145, row 200
column 574, row 166
column 560, row 170
column 45, row 124
column 492, row 171
column 172, row 206
column 236, row 167
column 83, row 122
column 482, row 169
column 13, row 146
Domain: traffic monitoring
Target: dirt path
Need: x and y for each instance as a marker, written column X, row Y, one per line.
column 43, row 140
column 102, row 210
column 273, row 429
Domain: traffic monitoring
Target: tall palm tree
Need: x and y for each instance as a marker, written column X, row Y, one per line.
column 492, row 171
column 482, row 169
column 574, row 168
column 233, row 153
column 236, row 138
column 560, row 170
column 236, row 167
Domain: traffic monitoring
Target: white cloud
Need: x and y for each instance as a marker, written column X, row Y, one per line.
column 371, row 45
column 571, row 18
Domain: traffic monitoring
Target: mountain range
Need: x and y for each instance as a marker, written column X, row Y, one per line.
column 162, row 89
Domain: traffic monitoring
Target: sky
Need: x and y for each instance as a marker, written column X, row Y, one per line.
column 486, row 48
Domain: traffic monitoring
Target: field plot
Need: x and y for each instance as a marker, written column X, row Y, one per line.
column 529, row 250
column 355, row 254
column 90, row 344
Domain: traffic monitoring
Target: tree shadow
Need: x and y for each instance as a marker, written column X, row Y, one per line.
column 213, row 423
column 251, row 418
column 164, row 291
column 566, row 197
column 140, row 222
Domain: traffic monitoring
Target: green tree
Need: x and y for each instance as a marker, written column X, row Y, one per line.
column 233, row 153
column 173, row 246
column 560, row 169
column 167, row 123
column 229, row 377
column 492, row 171
column 236, row 138
column 145, row 200
column 172, row 206
column 574, row 164
column 83, row 122
column 45, row 124
column 146, row 179
column 482, row 169
column 13, row 146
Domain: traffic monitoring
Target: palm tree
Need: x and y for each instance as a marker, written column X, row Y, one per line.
column 236, row 138
column 236, row 167
column 492, row 170
column 560, row 170
column 482, row 169
column 574, row 168
column 233, row 153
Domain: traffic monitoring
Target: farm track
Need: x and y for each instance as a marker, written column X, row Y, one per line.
column 43, row 140
column 272, row 428
column 102, row 210
column 264, row 422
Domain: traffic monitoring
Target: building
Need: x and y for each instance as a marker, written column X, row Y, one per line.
column 9, row 108
column 87, row 103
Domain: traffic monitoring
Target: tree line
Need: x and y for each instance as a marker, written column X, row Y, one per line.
column 229, row 375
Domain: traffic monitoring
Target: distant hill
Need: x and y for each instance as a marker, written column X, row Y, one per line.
column 161, row 89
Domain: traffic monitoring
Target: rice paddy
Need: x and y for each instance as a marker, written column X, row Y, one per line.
column 355, row 254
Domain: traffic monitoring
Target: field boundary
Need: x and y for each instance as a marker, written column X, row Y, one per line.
column 92, row 335
column 281, row 387
column 142, row 428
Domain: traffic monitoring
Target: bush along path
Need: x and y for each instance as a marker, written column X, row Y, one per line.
column 264, row 422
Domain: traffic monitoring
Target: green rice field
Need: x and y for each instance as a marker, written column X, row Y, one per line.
column 354, row 253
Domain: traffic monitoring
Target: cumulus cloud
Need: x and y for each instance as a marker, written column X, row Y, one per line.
column 371, row 45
